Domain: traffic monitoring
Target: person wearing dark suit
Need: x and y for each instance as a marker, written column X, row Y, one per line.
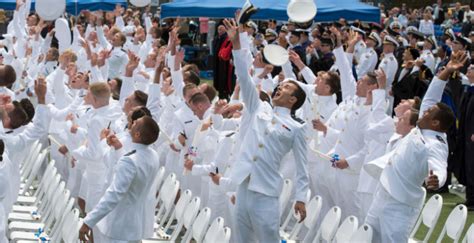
column 465, row 140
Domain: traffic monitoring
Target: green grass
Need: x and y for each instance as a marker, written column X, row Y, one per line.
column 449, row 202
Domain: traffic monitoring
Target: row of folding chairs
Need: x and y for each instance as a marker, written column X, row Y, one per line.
column 453, row 227
column 187, row 215
column 44, row 210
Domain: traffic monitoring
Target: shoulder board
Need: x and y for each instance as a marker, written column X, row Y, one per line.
column 130, row 153
column 230, row 134
column 440, row 139
column 186, row 122
column 391, row 58
column 8, row 132
column 297, row 119
column 123, row 50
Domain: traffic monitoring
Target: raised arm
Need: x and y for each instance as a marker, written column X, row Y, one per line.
column 249, row 92
column 348, row 84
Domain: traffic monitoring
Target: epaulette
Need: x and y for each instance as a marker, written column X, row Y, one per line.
column 297, row 119
column 440, row 139
column 130, row 153
column 186, row 122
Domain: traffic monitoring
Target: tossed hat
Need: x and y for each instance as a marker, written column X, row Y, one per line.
column 284, row 28
column 301, row 11
column 50, row 9
column 275, row 55
column 63, row 34
column 246, row 12
column 390, row 40
column 140, row 3
column 375, row 37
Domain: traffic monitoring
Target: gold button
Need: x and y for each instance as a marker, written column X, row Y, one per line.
column 342, row 130
column 260, row 145
column 273, row 122
column 255, row 158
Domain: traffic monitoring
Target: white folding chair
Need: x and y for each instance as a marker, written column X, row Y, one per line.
column 166, row 198
column 346, row 230
column 157, row 184
column 178, row 212
column 313, row 209
column 469, row 237
column 214, row 233
column 454, row 224
column 429, row 216
column 291, row 216
column 34, row 171
column 328, row 226
column 188, row 218
column 200, row 225
column 363, row 234
column 285, row 195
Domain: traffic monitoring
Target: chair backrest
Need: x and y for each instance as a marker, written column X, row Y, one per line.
column 183, row 203
column 213, row 232
column 34, row 171
column 454, row 224
column 291, row 215
column 363, row 234
column 285, row 195
column 201, row 224
column 191, row 212
column 330, row 223
column 469, row 237
column 346, row 230
column 429, row 216
column 71, row 234
column 313, row 209
column 227, row 234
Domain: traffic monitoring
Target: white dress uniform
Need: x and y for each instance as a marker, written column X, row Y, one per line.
column 351, row 123
column 270, row 134
column 359, row 50
column 367, row 62
column 122, row 214
column 92, row 153
column 380, row 128
column 4, row 195
column 117, row 61
column 389, row 65
column 17, row 140
column 429, row 59
column 398, row 201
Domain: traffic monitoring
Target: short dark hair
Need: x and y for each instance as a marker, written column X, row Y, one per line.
column 199, row 98
column 210, row 92
column 9, row 75
column 372, row 77
column 116, row 91
column 140, row 97
column 445, row 116
column 28, row 108
column 139, row 113
column 300, row 96
column 149, row 131
column 18, row 115
column 334, row 82
column 193, row 77
column 417, row 103
column 188, row 87
column 414, row 117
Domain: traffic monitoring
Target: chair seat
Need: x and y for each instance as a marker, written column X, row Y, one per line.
column 24, row 209
column 25, row 200
column 18, row 235
column 25, row 226
column 21, row 217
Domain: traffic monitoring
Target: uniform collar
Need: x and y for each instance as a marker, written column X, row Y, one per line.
column 138, row 146
column 389, row 54
column 279, row 110
column 432, row 133
column 326, row 98
column 101, row 109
